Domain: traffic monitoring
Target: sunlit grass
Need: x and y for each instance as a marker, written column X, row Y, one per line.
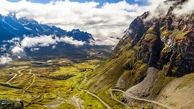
column 52, row 87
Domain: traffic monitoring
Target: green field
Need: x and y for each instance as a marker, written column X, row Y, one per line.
column 48, row 86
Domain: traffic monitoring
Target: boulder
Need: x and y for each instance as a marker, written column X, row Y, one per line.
column 9, row 104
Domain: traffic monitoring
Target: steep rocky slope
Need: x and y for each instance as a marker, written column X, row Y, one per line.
column 154, row 60
column 178, row 93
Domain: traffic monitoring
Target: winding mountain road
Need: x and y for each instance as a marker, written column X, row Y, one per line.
column 141, row 99
column 15, row 75
column 33, row 80
column 114, row 98
column 18, row 74
column 92, row 94
column 77, row 102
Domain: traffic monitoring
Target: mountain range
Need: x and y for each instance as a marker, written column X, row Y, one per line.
column 11, row 27
column 38, row 40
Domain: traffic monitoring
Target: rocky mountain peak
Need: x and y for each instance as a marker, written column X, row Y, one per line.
column 167, row 40
column 154, row 60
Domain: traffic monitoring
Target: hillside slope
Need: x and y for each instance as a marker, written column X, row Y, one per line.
column 154, row 60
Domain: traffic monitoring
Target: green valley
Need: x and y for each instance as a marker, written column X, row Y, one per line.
column 47, row 87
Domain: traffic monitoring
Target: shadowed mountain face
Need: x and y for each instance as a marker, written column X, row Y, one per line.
column 160, row 41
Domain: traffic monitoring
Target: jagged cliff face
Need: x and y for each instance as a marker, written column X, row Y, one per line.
column 165, row 43
column 162, row 41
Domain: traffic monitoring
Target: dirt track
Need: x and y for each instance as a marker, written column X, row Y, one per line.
column 141, row 99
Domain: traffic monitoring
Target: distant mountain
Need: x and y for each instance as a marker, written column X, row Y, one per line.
column 29, row 38
column 11, row 27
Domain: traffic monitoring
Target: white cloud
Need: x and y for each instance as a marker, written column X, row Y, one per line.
column 5, row 59
column 186, row 8
column 17, row 50
column 70, row 40
column 33, row 43
column 42, row 41
column 158, row 8
column 28, row 42
column 109, row 20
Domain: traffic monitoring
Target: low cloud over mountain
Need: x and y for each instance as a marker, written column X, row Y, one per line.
column 106, row 23
column 24, row 38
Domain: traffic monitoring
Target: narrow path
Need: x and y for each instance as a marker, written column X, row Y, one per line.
column 18, row 74
column 33, row 80
column 8, row 82
column 114, row 98
column 18, row 68
column 54, row 104
column 34, row 101
column 83, row 81
column 77, row 102
column 141, row 99
column 94, row 95
column 21, row 74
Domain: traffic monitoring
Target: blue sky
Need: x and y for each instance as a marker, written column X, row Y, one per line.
column 140, row 2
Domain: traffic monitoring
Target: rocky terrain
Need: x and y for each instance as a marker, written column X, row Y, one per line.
column 151, row 67
column 153, row 62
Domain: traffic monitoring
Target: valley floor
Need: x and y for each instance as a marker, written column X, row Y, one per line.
column 57, row 84
column 49, row 86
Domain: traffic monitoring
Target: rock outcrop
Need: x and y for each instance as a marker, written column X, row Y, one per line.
column 150, row 55
column 151, row 45
column 133, row 34
column 144, row 88
column 9, row 104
